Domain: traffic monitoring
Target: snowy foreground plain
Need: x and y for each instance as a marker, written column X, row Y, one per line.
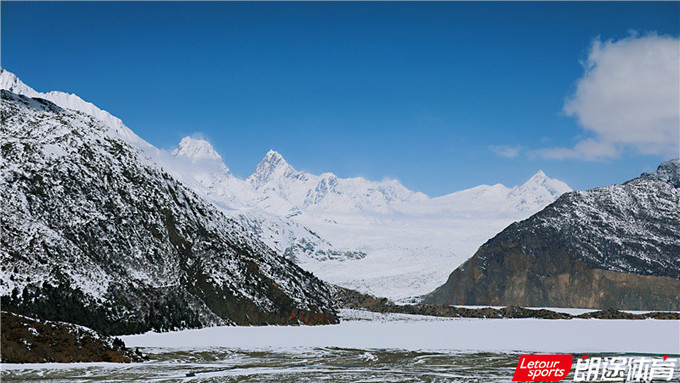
column 364, row 347
column 365, row 330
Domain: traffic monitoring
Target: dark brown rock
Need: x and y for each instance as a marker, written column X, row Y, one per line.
column 351, row 299
column 28, row 340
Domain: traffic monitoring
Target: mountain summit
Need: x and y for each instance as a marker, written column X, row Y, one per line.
column 541, row 180
column 196, row 149
column 537, row 192
column 10, row 82
column 273, row 167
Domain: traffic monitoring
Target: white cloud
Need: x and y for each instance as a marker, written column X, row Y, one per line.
column 628, row 98
column 506, row 151
column 588, row 149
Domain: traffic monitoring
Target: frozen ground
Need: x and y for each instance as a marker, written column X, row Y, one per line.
column 365, row 347
column 310, row 365
column 412, row 332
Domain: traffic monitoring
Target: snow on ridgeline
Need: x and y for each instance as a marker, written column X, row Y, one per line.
column 410, row 241
column 104, row 233
column 196, row 164
column 11, row 82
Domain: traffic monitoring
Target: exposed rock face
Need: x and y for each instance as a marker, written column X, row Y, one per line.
column 95, row 233
column 28, row 340
column 610, row 247
column 352, row 299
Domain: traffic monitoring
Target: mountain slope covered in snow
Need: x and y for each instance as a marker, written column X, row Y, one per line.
column 377, row 237
column 411, row 246
column 95, row 233
column 196, row 163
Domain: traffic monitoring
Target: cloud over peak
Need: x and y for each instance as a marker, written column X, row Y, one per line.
column 506, row 151
column 627, row 98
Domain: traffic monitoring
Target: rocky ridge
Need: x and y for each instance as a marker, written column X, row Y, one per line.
column 615, row 246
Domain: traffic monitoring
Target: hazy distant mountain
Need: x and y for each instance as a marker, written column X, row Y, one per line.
column 615, row 246
column 94, row 232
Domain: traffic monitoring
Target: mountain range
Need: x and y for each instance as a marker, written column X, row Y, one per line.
column 377, row 237
column 103, row 229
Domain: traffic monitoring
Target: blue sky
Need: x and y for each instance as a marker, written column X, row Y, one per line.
column 420, row 92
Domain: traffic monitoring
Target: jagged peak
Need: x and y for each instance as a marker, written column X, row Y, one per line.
column 272, row 166
column 272, row 159
column 539, row 178
column 670, row 166
column 540, row 181
column 197, row 149
column 273, row 154
column 9, row 81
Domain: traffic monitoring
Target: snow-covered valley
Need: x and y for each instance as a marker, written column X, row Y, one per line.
column 376, row 237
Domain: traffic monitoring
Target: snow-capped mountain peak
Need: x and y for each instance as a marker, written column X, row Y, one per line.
column 196, row 149
column 540, row 175
column 272, row 167
column 537, row 192
column 273, row 160
column 668, row 171
column 9, row 81
column 301, row 214
column 541, row 181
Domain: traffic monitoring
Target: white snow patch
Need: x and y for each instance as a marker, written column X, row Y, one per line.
column 438, row 334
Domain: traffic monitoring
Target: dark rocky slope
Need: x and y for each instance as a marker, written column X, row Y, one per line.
column 94, row 233
column 351, row 299
column 611, row 247
column 28, row 340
